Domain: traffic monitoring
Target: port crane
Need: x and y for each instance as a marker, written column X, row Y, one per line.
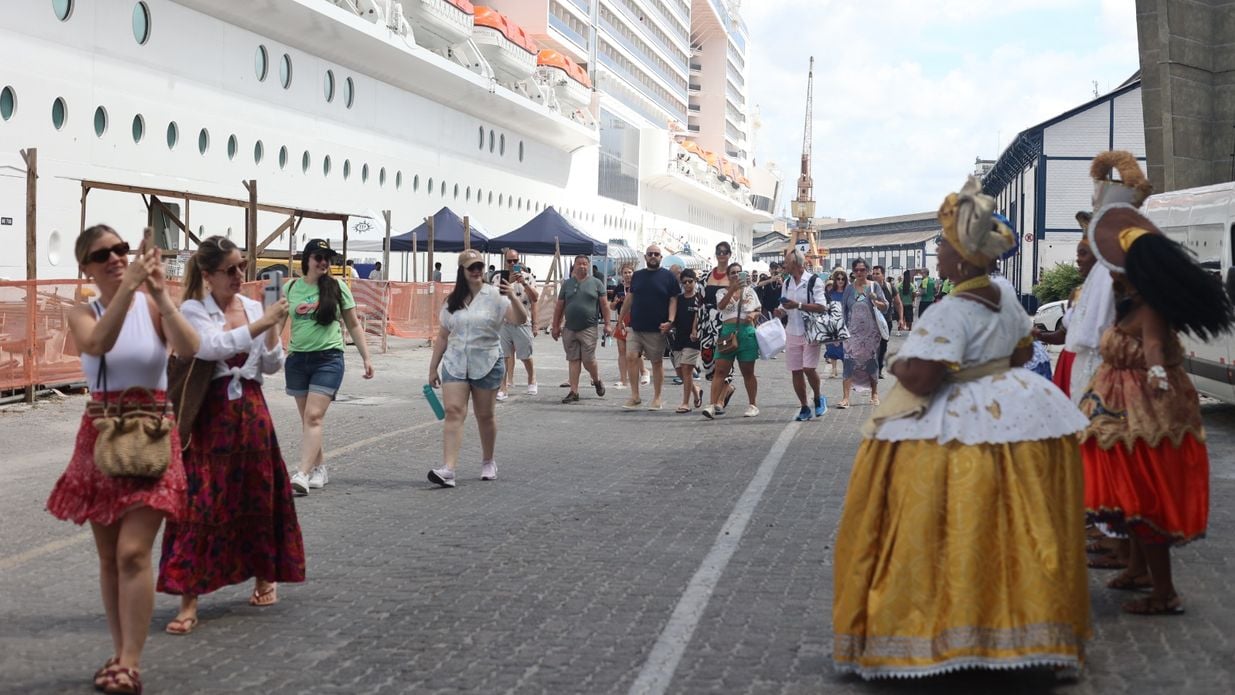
column 803, row 207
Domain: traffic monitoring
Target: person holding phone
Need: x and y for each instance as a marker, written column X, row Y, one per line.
column 314, row 369
column 802, row 292
column 517, row 339
column 241, row 520
column 739, row 309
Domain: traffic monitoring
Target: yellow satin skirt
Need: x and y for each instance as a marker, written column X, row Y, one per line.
column 961, row 556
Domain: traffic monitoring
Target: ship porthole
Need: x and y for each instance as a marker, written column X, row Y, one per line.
column 285, row 71
column 63, row 9
column 347, row 169
column 141, row 23
column 456, row 191
column 139, row 128
column 381, row 177
column 326, row 166
column 416, row 183
column 173, row 135
column 520, row 150
column 233, row 146
column 53, row 247
column 8, row 103
column 259, row 151
column 305, row 161
column 469, row 194
column 442, row 192
column 283, row 157
column 501, row 149
column 203, row 141
column 398, row 179
column 261, row 63
column 59, row 113
column 492, row 141
column 429, row 190
column 482, row 137
column 501, row 198
column 349, row 92
column 328, row 86
column 364, row 174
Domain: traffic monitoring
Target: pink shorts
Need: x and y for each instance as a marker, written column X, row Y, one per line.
column 800, row 354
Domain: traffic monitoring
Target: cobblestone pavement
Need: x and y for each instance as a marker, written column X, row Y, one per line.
column 560, row 576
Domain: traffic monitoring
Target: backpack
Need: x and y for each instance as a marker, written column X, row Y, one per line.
column 825, row 327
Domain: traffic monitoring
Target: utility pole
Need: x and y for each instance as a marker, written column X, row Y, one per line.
column 803, row 207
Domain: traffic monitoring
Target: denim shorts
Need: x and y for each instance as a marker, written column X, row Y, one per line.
column 319, row 372
column 488, row 382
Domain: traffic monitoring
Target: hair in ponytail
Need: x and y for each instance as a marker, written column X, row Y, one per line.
column 329, row 296
column 208, row 257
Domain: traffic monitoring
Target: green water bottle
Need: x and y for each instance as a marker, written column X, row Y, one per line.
column 434, row 402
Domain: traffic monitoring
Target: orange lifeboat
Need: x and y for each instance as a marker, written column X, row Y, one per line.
column 439, row 24
column 510, row 50
column 567, row 78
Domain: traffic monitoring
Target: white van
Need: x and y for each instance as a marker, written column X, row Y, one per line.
column 1203, row 219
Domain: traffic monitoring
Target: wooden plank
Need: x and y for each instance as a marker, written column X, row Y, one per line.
column 275, row 234
column 218, row 200
column 429, row 263
column 32, row 265
column 250, row 231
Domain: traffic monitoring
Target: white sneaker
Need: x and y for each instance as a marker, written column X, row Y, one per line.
column 300, row 484
column 751, row 411
column 488, row 471
column 442, row 476
column 645, row 380
column 319, row 477
column 501, row 395
column 533, row 389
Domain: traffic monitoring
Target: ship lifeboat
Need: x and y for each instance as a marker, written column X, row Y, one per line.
column 511, row 52
column 698, row 166
column 439, row 24
column 569, row 80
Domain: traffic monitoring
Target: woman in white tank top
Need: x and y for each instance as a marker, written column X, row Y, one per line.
column 132, row 328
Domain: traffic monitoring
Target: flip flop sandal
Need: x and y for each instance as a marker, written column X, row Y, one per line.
column 1106, row 562
column 1123, row 582
column 102, row 675
column 729, row 395
column 682, row 409
column 1150, row 605
column 115, row 687
column 262, row 599
column 186, row 625
column 698, row 397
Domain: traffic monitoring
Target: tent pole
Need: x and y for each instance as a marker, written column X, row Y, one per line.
column 386, row 248
column 415, row 255
column 429, row 262
column 467, row 234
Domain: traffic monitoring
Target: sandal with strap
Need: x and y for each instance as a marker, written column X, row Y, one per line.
column 131, row 686
column 268, row 597
column 1106, row 562
column 181, row 626
column 698, row 397
column 101, row 676
column 1152, row 605
column 1125, row 582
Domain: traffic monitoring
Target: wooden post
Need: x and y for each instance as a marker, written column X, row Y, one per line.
column 187, row 224
column 386, row 248
column 291, row 249
column 344, row 248
column 415, row 254
column 467, row 233
column 429, row 263
column 32, row 266
column 250, row 231
column 384, row 277
column 85, row 190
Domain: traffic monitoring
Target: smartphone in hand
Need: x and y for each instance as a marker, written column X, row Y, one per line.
column 273, row 291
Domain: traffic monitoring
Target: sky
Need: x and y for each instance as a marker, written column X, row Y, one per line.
column 909, row 92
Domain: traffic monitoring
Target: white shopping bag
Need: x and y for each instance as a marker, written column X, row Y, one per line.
column 771, row 337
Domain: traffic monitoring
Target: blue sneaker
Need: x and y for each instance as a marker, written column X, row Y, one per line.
column 821, row 406
column 803, row 414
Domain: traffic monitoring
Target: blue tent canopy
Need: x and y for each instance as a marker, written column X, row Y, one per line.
column 538, row 235
column 447, row 235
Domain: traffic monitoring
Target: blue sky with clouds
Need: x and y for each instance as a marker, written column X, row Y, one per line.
column 909, row 92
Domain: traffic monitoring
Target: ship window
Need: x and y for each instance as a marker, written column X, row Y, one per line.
column 139, row 128
column 203, row 141
column 442, row 190
column 381, row 176
column 429, row 190
column 326, row 166
column 328, row 86
column 305, row 161
column 62, row 8
column 416, row 183
column 490, row 197
column 349, row 92
column 141, row 23
column 482, row 138
column 59, row 112
column 398, row 179
column 283, row 157
column 285, row 71
column 456, row 193
column 347, row 169
column 491, row 140
column 468, row 194
column 501, row 147
column 232, row 146
column 261, row 63
column 173, row 135
column 100, row 121
column 259, row 151
column 510, row 202
column 520, row 150
column 8, row 103
column 364, row 173
column 501, row 198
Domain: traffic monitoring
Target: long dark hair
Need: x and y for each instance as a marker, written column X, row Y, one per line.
column 209, row 255
column 1169, row 279
column 457, row 299
column 906, row 280
column 329, row 296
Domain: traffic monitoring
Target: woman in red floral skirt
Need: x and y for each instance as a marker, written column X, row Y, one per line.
column 132, row 329
column 240, row 522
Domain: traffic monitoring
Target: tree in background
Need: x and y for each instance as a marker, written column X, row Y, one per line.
column 1057, row 283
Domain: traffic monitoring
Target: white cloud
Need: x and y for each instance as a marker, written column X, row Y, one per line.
column 908, row 93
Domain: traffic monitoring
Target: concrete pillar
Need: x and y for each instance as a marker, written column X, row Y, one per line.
column 1187, row 56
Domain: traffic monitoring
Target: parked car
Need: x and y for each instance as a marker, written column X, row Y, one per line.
column 1050, row 316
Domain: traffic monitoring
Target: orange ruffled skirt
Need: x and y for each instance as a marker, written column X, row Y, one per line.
column 1159, row 493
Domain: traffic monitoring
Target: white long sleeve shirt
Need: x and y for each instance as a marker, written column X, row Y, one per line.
column 218, row 344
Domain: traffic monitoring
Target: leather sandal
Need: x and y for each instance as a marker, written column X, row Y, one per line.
column 269, row 597
column 132, row 684
column 181, row 626
column 101, row 675
column 1152, row 605
column 1124, row 582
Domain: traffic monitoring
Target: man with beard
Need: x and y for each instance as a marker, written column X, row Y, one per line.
column 652, row 303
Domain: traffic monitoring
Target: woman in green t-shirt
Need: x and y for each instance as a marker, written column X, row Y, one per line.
column 314, row 367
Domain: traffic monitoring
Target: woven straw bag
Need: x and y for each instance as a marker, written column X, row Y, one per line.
column 134, row 439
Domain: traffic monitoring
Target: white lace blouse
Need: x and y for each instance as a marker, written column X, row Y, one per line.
column 473, row 348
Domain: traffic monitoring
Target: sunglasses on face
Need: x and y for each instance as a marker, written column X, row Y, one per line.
column 690, row 280
column 722, row 253
column 512, row 260
column 859, row 270
column 104, row 255
column 234, row 270
column 320, row 258
column 655, row 254
column 476, row 268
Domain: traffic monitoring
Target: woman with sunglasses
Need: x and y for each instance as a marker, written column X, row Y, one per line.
column 123, row 336
column 314, row 367
column 469, row 352
column 835, row 288
column 709, row 317
column 241, row 521
column 861, row 301
column 739, row 308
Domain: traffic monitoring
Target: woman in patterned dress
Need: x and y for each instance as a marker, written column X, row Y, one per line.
column 861, row 301
column 709, row 319
column 240, row 521
column 961, row 543
column 133, row 329
column 834, row 352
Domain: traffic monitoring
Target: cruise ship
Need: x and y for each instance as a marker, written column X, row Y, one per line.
column 630, row 117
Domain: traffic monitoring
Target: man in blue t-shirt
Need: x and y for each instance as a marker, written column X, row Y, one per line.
column 652, row 303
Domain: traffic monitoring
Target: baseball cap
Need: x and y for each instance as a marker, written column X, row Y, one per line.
column 319, row 246
column 468, row 257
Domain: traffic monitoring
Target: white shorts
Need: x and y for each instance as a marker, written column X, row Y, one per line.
column 516, row 340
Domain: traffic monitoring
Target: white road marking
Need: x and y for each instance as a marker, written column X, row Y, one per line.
column 662, row 662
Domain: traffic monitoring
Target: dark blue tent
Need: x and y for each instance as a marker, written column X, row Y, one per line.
column 538, row 235
column 447, row 235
